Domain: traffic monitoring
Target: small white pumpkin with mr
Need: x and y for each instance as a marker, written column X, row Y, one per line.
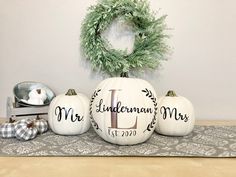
column 69, row 113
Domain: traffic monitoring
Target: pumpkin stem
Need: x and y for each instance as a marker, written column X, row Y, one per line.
column 171, row 93
column 30, row 125
column 11, row 120
column 39, row 91
column 71, row 92
column 38, row 118
column 124, row 74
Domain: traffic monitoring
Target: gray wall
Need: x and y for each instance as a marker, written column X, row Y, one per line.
column 39, row 41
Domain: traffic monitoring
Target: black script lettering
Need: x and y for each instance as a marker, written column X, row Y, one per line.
column 119, row 108
column 61, row 112
column 165, row 111
column 79, row 118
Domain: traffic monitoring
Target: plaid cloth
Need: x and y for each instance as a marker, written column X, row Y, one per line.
column 41, row 124
column 7, row 130
column 23, row 132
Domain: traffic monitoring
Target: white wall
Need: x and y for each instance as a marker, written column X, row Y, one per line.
column 39, row 41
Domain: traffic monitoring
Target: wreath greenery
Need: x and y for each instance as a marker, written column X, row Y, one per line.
column 150, row 39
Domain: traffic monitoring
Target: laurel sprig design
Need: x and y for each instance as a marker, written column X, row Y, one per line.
column 150, row 95
column 94, row 123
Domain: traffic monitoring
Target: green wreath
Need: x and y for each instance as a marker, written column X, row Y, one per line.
column 150, row 39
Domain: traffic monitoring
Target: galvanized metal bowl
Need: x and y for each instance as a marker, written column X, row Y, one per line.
column 21, row 92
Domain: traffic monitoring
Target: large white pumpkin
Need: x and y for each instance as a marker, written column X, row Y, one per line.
column 123, row 110
column 175, row 115
column 69, row 113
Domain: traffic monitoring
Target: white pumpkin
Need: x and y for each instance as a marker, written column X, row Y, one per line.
column 123, row 110
column 175, row 115
column 69, row 113
column 37, row 96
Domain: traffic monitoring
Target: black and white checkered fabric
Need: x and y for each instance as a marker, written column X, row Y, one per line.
column 7, row 130
column 23, row 132
column 41, row 124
